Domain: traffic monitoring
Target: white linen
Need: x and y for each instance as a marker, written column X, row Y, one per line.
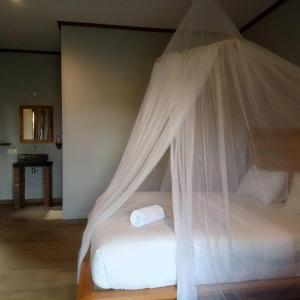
column 124, row 257
column 146, row 215
column 266, row 186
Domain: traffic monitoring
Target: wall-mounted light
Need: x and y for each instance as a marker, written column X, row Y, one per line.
column 34, row 93
column 58, row 142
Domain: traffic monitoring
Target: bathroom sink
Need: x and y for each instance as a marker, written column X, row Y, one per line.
column 32, row 158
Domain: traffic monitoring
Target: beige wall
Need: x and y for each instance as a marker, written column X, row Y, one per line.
column 104, row 77
column 280, row 31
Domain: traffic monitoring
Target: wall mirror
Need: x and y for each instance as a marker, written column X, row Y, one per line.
column 36, row 124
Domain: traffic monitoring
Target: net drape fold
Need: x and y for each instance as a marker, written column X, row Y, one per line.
column 208, row 93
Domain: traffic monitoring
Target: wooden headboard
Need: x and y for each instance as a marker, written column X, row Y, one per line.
column 276, row 149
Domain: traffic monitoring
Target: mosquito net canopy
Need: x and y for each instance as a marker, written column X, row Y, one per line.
column 228, row 113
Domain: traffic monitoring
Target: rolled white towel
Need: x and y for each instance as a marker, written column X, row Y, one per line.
column 146, row 215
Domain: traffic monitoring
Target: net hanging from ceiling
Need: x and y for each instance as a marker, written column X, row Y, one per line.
column 228, row 112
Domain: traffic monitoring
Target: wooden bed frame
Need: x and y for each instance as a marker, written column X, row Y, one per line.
column 261, row 289
column 276, row 149
column 286, row 156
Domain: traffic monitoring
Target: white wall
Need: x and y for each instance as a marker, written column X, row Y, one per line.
column 20, row 75
column 280, row 31
column 104, row 76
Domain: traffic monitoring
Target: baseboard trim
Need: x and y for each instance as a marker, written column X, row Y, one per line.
column 9, row 202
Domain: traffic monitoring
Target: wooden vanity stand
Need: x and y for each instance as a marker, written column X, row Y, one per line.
column 19, row 182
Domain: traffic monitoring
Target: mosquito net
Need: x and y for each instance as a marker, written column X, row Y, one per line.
column 227, row 113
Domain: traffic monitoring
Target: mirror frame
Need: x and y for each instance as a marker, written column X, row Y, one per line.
column 21, row 120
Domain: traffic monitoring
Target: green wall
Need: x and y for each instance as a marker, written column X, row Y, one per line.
column 280, row 31
column 104, row 76
column 20, row 75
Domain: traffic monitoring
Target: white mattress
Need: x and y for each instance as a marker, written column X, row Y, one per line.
column 125, row 257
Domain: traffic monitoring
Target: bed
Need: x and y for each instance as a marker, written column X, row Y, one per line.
column 110, row 262
column 120, row 271
column 149, row 252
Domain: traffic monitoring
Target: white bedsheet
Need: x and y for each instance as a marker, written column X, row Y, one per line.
column 124, row 257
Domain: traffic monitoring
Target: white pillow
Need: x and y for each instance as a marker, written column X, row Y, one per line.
column 266, row 186
column 293, row 201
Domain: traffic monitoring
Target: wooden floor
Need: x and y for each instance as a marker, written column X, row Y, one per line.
column 38, row 258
